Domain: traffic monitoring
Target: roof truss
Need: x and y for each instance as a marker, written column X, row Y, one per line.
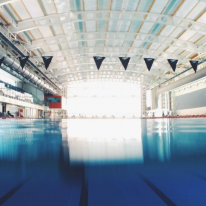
column 72, row 17
column 94, row 36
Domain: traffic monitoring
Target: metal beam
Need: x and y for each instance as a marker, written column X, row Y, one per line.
column 4, row 2
column 94, row 76
column 88, row 52
column 93, row 36
column 136, row 71
column 86, row 79
column 98, row 79
column 115, row 62
column 82, row 16
column 64, row 74
column 157, row 66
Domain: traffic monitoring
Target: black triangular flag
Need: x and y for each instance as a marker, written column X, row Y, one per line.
column 194, row 64
column 149, row 62
column 98, row 61
column 1, row 60
column 47, row 60
column 125, row 61
column 173, row 63
column 23, row 61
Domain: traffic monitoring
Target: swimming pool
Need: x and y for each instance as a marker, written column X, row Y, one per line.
column 103, row 162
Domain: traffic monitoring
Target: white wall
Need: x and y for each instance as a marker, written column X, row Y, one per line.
column 186, row 90
column 189, row 89
column 64, row 103
column 149, row 98
column 194, row 111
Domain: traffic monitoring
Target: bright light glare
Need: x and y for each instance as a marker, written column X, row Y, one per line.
column 104, row 99
column 104, row 141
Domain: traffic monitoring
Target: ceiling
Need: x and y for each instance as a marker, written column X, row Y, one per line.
column 73, row 31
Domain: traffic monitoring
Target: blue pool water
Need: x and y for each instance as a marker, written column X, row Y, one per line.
column 80, row 162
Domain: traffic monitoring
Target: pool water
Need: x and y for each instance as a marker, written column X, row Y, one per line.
column 103, row 162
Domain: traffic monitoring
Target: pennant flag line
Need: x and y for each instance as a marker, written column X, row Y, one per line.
column 98, row 61
column 125, row 61
column 23, row 61
column 194, row 64
column 149, row 62
column 47, row 60
column 173, row 63
column 1, row 60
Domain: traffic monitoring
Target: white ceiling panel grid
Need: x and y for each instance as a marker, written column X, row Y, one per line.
column 76, row 30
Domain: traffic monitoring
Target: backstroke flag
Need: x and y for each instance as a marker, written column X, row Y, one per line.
column 98, row 61
column 23, row 61
column 125, row 61
column 194, row 64
column 1, row 60
column 149, row 62
column 47, row 60
column 173, row 63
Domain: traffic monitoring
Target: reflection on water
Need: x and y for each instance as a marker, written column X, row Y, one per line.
column 104, row 141
column 92, row 158
column 90, row 141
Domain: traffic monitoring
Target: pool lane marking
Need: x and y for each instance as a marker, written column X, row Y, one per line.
column 196, row 175
column 157, row 191
column 84, row 193
column 13, row 191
